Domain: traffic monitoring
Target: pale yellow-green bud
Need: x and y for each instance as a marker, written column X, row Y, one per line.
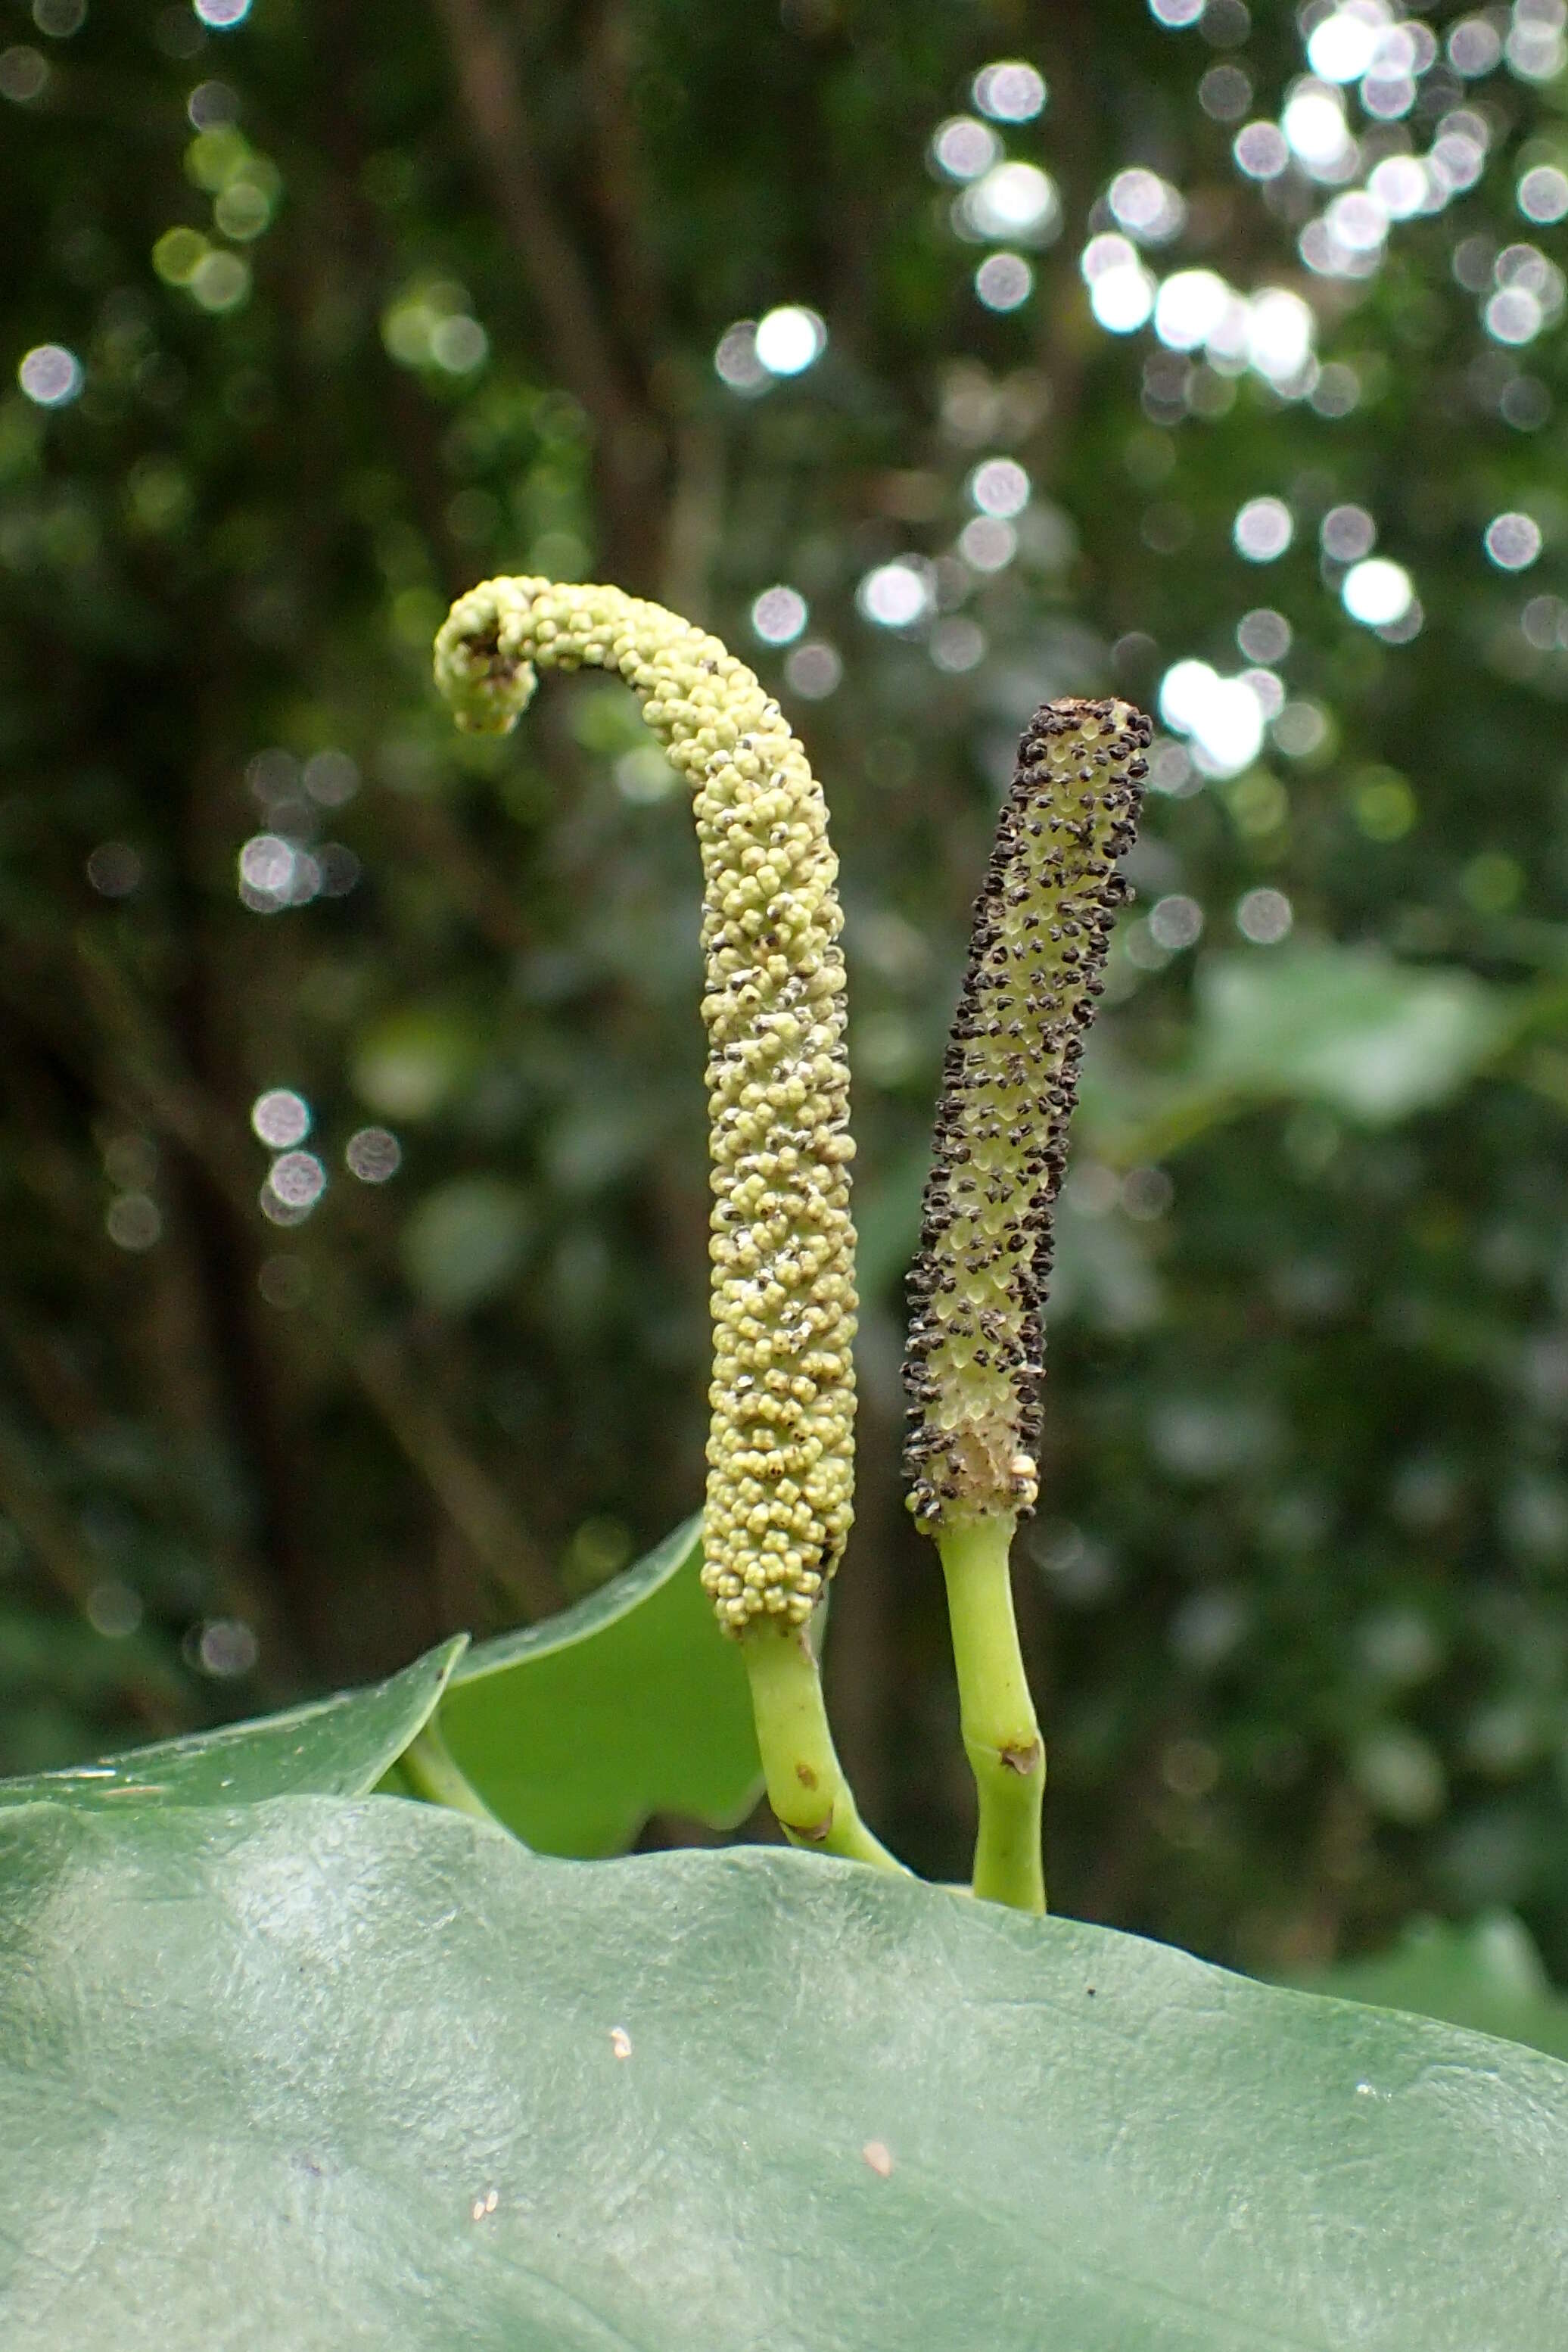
column 1042, row 925
column 781, row 1445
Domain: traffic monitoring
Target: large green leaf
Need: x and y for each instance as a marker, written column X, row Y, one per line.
column 318, row 2073
column 574, row 1731
column 1486, row 1975
column 337, row 1747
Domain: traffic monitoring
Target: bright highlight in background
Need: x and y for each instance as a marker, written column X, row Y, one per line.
column 790, row 339
column 963, row 148
column 1342, row 45
column 1010, row 91
column 1004, row 280
column 1000, row 487
column 1014, row 200
column 1513, row 541
column 893, row 596
column 1314, row 124
column 1543, row 193
column 1222, row 716
column 1263, row 529
column 1146, row 207
column 1264, row 917
column 280, row 1117
column 373, row 1154
column 221, row 13
column 50, row 374
column 1280, row 331
column 1191, row 305
column 1121, row 290
column 779, row 615
column 1377, row 593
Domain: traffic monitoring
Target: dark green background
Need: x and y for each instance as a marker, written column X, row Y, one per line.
column 1295, row 1600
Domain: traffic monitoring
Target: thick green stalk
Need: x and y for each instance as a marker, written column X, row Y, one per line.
column 812, row 1801
column 1001, row 1735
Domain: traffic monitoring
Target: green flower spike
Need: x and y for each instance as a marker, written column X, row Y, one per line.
column 1042, row 926
column 781, row 1446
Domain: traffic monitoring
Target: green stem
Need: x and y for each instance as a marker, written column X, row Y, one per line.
column 1001, row 1735
column 432, row 1772
column 812, row 1801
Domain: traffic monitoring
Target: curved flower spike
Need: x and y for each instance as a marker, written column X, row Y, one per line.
column 780, row 1447
column 1042, row 926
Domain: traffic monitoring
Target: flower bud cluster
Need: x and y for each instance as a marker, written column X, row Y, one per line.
column 1042, row 926
column 780, row 1450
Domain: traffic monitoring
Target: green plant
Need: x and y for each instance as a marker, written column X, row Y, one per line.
column 290, row 2058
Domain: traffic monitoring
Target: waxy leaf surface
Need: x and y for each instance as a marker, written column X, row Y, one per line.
column 323, row 2073
column 337, row 1747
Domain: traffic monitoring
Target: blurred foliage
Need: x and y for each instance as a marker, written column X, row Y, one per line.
column 1486, row 1977
column 353, row 1142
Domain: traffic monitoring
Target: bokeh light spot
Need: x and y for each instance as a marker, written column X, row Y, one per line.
column 790, row 340
column 1003, row 281
column 298, row 1179
column 114, row 869
column 1513, row 541
column 1176, row 921
column 894, row 595
column 735, row 361
column 964, row 149
column 1010, row 90
column 987, row 544
column 1013, row 200
column 779, row 614
column 24, row 74
column 1346, row 533
column 1377, row 593
column 999, row 487
column 133, row 1222
column 814, row 671
column 1261, row 150
column 1542, row 194
column 1342, row 46
column 1264, row 636
column 1264, row 917
column 373, row 1154
column 1263, row 529
column 280, row 1117
column 50, row 374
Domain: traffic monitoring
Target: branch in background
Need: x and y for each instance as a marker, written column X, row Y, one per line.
column 433, row 840
column 169, row 1100
column 51, row 1537
column 466, row 1492
column 631, row 452
column 695, row 531
column 621, row 199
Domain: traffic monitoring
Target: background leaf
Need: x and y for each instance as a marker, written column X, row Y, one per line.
column 1486, row 1975
column 337, row 1747
column 1346, row 1026
column 465, row 1241
column 367, row 2072
column 574, row 1731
